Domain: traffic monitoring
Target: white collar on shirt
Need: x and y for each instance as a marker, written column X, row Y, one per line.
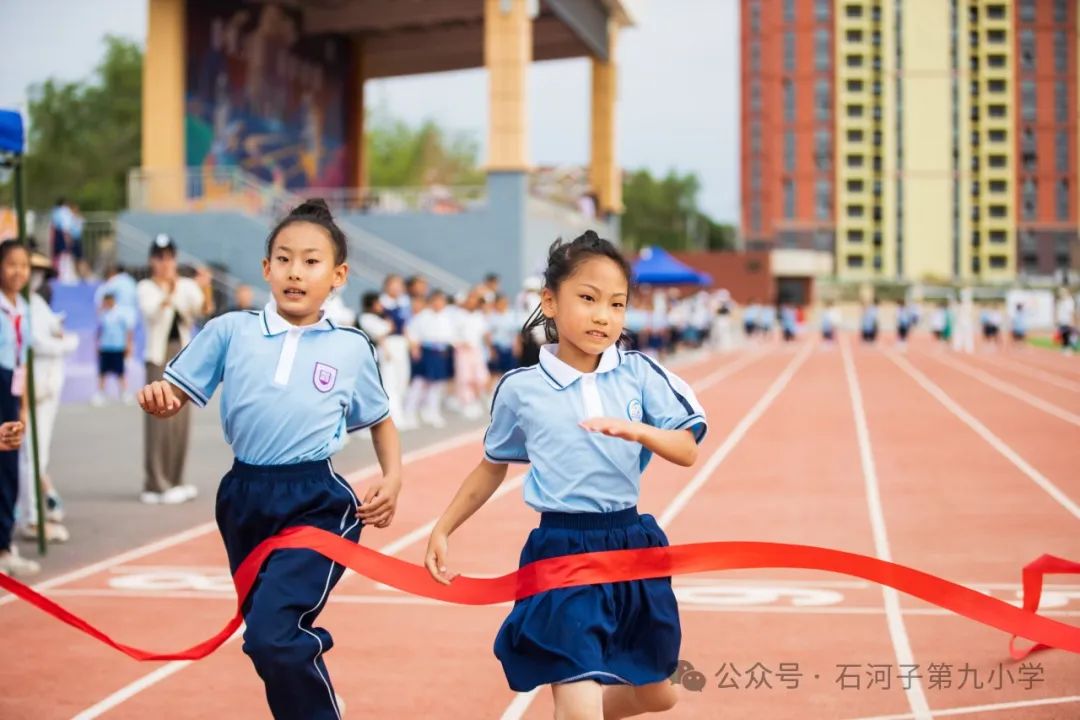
column 274, row 324
column 18, row 308
column 560, row 375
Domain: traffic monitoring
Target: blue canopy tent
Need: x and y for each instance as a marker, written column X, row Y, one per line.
column 656, row 266
column 12, row 145
column 11, row 132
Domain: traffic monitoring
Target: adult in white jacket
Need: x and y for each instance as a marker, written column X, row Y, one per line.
column 51, row 345
column 170, row 305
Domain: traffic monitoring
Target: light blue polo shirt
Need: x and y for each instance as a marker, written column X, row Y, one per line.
column 290, row 393
column 113, row 328
column 535, row 416
column 10, row 345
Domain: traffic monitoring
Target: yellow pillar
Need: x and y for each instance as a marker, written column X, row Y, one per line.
column 604, row 173
column 507, row 54
column 163, row 105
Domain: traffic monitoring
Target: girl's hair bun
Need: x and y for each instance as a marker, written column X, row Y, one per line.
column 313, row 208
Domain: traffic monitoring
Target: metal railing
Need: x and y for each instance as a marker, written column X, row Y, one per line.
column 195, row 189
column 437, row 199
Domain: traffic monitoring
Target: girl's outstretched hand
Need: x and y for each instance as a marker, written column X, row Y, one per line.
column 438, row 549
column 380, row 502
column 614, row 427
column 160, row 399
column 11, row 435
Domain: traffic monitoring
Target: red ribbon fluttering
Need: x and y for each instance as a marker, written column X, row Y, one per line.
column 622, row 565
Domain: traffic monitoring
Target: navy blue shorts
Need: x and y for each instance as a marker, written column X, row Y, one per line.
column 437, row 364
column 111, row 362
column 624, row 633
column 502, row 360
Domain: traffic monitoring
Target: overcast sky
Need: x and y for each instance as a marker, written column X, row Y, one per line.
column 678, row 85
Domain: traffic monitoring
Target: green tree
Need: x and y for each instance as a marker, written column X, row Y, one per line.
column 405, row 156
column 83, row 137
column 665, row 212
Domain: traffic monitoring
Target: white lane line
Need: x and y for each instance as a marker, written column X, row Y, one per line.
column 993, row 440
column 1038, row 374
column 916, row 696
column 1010, row 389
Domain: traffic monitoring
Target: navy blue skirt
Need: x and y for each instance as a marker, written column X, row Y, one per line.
column 624, row 633
column 437, row 363
column 502, row 360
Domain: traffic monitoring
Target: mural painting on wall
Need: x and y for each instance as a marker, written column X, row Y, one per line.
column 264, row 98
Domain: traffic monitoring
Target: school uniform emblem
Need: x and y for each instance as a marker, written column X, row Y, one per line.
column 325, row 377
column 634, row 410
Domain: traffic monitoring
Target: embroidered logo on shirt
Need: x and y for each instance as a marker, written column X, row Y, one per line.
column 324, row 377
column 634, row 410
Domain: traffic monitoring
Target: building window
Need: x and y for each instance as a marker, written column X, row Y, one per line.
column 854, row 161
column 853, row 36
column 789, row 151
column 997, row 111
column 854, row 61
column 1061, row 11
column 822, row 10
column 823, row 199
column 789, row 11
column 855, row 186
column 755, row 55
column 998, row 186
column 996, row 136
column 854, row 111
column 996, row 86
column 1063, row 199
column 854, row 261
column 994, row 61
column 1027, row 49
column 1061, row 101
column 1027, row 10
column 855, row 136
column 755, row 17
column 996, row 161
column 998, row 262
column 1029, row 198
column 1061, row 51
column 789, row 199
column 1028, row 100
column 822, row 100
column 855, row 236
column 854, row 86
column 998, row 211
column 789, row 51
column 853, row 11
column 789, row 101
column 823, row 150
column 998, row 237
column 822, row 50
column 855, row 211
column 1061, row 151
column 996, row 12
column 996, row 37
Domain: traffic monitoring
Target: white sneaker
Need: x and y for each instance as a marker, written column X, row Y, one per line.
column 473, row 411
column 175, row 496
column 127, row 398
column 191, row 490
column 150, row 498
column 54, row 532
column 97, row 400
column 433, row 419
column 14, row 565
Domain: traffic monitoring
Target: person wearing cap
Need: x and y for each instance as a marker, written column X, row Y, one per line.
column 170, row 304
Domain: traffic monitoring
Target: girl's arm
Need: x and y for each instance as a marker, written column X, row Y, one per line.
column 474, row 492
column 380, row 501
column 677, row 446
column 162, row 399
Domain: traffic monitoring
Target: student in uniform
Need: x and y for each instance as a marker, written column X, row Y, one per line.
column 588, row 418
column 505, row 339
column 870, row 322
column 431, row 336
column 116, row 340
column 1019, row 325
column 14, row 341
column 293, row 384
column 830, row 322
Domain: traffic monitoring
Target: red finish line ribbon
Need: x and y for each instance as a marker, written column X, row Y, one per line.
column 622, row 565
